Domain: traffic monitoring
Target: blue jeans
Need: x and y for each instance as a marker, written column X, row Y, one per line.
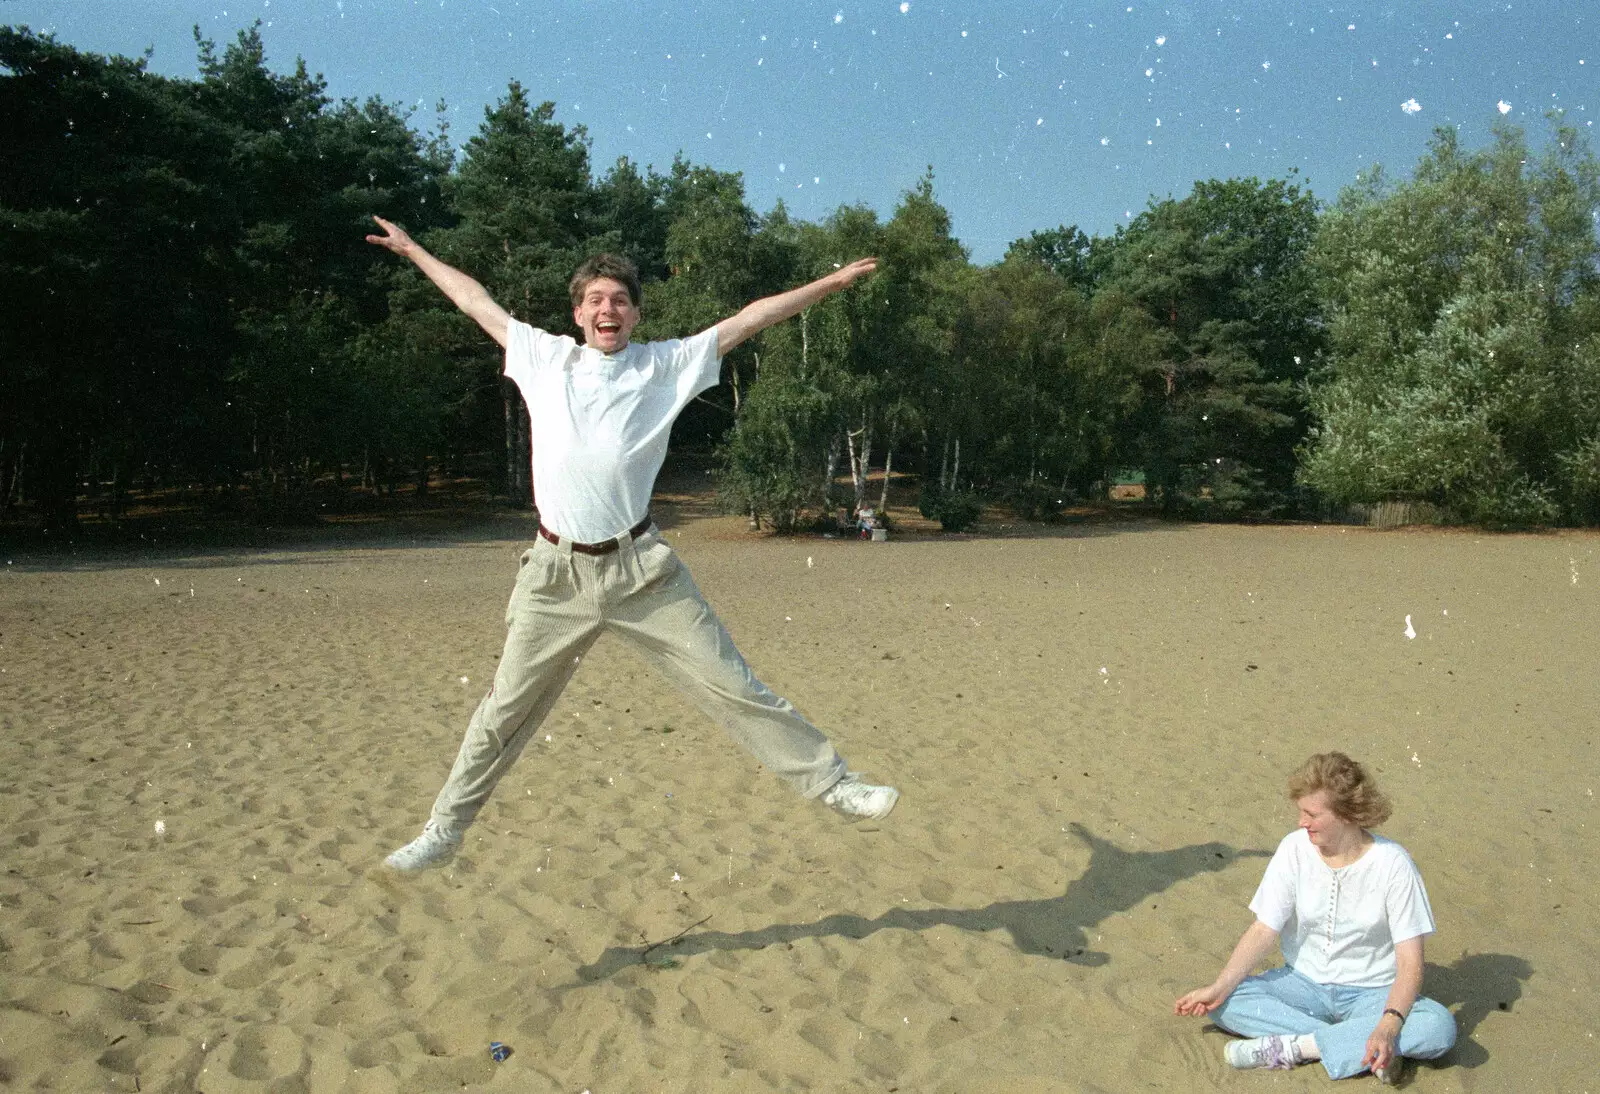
column 1341, row 1018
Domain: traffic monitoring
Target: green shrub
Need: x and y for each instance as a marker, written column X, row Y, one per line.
column 1036, row 500
column 955, row 510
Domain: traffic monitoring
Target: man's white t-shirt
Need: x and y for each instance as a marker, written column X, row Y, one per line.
column 1340, row 926
column 600, row 423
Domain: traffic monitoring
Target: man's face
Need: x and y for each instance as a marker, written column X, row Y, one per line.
column 607, row 315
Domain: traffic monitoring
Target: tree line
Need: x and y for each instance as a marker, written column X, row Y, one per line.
column 190, row 304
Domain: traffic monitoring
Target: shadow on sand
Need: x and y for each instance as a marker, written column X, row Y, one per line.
column 1474, row 986
column 1116, row 880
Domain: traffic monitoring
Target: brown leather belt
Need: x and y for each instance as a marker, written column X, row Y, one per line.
column 604, row 547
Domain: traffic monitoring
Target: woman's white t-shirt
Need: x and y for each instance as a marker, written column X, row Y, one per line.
column 600, row 422
column 1340, row 926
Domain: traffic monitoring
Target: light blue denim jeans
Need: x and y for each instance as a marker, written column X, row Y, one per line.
column 1341, row 1018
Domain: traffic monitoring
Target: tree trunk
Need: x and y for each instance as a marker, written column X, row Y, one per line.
column 828, row 473
column 944, row 465
column 888, row 466
column 866, row 464
column 519, row 488
column 119, row 489
column 955, row 475
column 509, row 444
column 858, row 461
column 1033, row 433
column 10, row 472
column 755, row 517
column 55, row 484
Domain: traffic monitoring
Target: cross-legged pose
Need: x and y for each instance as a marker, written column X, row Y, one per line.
column 601, row 415
column 1352, row 913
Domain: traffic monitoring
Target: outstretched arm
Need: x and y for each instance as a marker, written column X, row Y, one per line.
column 758, row 316
column 463, row 291
column 1256, row 943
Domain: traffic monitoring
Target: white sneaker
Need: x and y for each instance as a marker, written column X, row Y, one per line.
column 854, row 798
column 1275, row 1051
column 436, row 846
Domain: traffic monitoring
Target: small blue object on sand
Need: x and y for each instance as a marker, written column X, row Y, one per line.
column 499, row 1051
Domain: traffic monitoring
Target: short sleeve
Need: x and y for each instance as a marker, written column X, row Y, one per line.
column 529, row 349
column 698, row 366
column 1273, row 903
column 1406, row 900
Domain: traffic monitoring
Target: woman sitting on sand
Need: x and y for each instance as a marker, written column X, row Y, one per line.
column 1352, row 913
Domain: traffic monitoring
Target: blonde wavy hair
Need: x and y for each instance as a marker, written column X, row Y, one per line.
column 1352, row 794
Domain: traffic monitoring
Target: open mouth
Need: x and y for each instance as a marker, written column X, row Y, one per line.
column 608, row 327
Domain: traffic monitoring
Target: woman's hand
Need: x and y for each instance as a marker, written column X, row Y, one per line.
column 1257, row 940
column 1382, row 1046
column 1201, row 1001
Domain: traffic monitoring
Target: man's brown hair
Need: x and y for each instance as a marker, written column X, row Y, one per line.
column 616, row 267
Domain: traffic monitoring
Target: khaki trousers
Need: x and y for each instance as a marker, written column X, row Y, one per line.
column 562, row 603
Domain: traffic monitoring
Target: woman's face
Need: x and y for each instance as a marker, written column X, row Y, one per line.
column 1328, row 830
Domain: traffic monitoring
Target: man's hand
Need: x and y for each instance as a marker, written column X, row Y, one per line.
column 757, row 317
column 852, row 273
column 462, row 290
column 394, row 239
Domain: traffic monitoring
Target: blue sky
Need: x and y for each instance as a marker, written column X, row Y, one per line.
column 1031, row 114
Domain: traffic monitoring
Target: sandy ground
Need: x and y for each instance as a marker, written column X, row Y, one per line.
column 208, row 754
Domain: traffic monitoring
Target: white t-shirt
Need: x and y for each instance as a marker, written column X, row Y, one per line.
column 1340, row 926
column 600, row 423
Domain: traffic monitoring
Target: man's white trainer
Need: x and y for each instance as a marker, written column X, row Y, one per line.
column 436, row 846
column 855, row 798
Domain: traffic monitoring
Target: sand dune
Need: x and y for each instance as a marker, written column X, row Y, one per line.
column 1090, row 727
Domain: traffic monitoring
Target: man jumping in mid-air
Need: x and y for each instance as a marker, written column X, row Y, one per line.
column 601, row 415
